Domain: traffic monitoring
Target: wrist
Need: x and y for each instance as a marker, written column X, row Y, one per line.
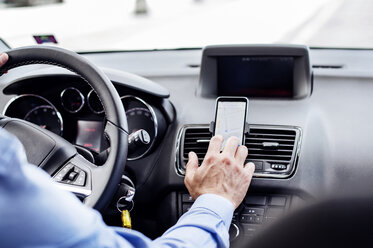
column 218, row 204
column 227, row 197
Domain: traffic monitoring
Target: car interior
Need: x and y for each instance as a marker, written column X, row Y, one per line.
column 115, row 128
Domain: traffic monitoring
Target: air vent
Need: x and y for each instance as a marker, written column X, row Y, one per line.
column 271, row 144
column 273, row 149
column 196, row 139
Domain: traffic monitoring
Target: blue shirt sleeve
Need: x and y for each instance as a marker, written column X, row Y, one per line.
column 36, row 213
column 206, row 224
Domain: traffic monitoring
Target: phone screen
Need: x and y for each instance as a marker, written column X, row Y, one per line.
column 230, row 119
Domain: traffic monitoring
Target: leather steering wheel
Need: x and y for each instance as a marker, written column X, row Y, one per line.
column 96, row 185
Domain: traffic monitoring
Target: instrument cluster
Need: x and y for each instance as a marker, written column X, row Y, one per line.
column 78, row 116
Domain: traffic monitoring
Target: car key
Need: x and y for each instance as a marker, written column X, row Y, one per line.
column 126, row 219
column 124, row 207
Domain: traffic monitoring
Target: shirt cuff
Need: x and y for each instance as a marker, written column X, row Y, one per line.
column 217, row 204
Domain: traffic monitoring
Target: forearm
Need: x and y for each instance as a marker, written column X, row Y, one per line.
column 206, row 224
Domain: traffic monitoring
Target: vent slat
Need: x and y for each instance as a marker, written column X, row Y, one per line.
column 200, row 133
column 269, row 150
column 269, row 139
column 261, row 144
column 273, row 135
column 195, row 148
column 269, row 155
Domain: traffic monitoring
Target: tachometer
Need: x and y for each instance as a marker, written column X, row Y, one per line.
column 35, row 109
column 142, row 126
column 46, row 117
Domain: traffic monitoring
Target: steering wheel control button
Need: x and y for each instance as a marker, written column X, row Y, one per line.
column 279, row 167
column 72, row 175
column 255, row 200
column 278, row 201
column 80, row 179
column 187, row 198
column 63, row 172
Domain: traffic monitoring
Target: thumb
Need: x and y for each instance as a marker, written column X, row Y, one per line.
column 192, row 164
column 250, row 168
column 3, row 58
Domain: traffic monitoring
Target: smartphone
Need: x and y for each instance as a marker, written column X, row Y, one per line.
column 230, row 117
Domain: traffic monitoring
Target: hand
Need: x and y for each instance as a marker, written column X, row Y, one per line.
column 220, row 173
column 3, row 58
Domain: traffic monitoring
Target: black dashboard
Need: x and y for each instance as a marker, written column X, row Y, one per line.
column 324, row 135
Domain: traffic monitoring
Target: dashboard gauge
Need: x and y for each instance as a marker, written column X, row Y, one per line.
column 94, row 103
column 72, row 100
column 142, row 123
column 46, row 117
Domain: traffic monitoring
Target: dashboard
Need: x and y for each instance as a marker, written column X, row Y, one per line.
column 323, row 129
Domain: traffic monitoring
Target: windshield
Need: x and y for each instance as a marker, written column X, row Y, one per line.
column 99, row 25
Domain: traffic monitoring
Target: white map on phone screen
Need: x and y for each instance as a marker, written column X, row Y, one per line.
column 230, row 120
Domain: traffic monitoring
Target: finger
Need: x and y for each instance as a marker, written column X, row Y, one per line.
column 231, row 146
column 241, row 155
column 3, row 58
column 215, row 145
column 249, row 168
column 192, row 165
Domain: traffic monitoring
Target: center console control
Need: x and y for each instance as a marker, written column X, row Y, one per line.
column 255, row 211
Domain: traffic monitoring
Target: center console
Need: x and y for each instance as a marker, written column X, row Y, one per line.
column 255, row 211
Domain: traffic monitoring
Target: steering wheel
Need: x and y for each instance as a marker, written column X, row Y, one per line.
column 95, row 185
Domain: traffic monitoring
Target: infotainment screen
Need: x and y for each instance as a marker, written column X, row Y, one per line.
column 90, row 134
column 255, row 76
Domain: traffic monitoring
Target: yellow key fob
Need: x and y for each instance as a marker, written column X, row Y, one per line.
column 126, row 219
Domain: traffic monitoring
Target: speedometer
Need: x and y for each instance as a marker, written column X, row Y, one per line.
column 142, row 126
column 46, row 117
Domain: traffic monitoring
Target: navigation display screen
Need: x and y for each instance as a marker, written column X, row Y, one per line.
column 89, row 134
column 255, row 76
column 230, row 119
